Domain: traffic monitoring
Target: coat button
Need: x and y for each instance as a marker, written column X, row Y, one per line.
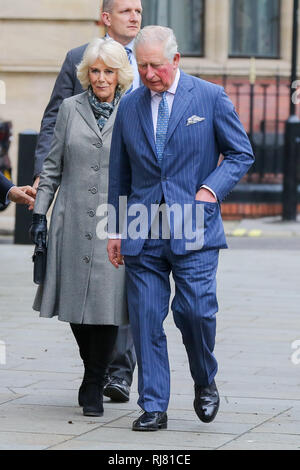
column 86, row 259
column 91, row 213
column 93, row 190
column 98, row 145
column 89, row 235
column 96, row 167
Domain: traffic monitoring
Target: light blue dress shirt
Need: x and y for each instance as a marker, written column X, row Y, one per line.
column 136, row 80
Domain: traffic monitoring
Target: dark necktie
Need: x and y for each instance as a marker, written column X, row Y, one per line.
column 129, row 55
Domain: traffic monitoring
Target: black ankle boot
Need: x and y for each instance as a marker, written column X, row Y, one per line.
column 95, row 346
column 82, row 388
column 92, row 399
column 90, row 395
column 81, row 334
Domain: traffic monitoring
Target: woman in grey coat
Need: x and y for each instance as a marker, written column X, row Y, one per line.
column 81, row 287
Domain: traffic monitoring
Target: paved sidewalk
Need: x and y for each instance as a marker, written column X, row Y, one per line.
column 258, row 380
column 265, row 227
column 271, row 227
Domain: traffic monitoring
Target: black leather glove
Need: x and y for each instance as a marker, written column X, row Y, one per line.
column 38, row 229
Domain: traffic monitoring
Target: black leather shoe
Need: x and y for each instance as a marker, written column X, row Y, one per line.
column 151, row 421
column 206, row 402
column 117, row 389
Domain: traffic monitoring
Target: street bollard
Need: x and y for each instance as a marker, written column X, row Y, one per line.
column 27, row 145
column 290, row 179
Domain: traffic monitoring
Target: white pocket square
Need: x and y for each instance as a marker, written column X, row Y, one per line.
column 194, row 119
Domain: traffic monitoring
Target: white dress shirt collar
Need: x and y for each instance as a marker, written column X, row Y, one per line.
column 129, row 45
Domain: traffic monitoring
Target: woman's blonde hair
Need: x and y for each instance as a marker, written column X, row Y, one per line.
column 113, row 55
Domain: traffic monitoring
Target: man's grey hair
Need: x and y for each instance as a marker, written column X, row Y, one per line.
column 108, row 5
column 158, row 34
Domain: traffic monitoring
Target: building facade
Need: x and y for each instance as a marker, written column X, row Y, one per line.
column 225, row 41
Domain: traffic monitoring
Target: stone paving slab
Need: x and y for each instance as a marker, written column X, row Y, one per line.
column 122, row 444
column 191, row 425
column 107, row 435
column 38, row 396
column 263, row 441
column 7, row 395
column 258, row 383
column 51, row 419
column 281, row 426
column 28, row 441
column 271, row 390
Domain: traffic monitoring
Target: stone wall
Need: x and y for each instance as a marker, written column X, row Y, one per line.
column 35, row 36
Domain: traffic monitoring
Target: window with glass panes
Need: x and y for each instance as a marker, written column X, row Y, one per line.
column 185, row 17
column 254, row 28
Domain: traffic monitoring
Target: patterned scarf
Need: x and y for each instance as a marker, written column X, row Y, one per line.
column 102, row 110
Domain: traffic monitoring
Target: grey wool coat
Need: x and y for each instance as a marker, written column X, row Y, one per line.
column 81, row 286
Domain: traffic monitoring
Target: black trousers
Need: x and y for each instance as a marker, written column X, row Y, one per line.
column 124, row 359
column 96, row 344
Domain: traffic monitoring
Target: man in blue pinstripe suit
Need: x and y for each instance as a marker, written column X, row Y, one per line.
column 167, row 139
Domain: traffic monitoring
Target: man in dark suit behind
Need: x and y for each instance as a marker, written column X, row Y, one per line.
column 122, row 19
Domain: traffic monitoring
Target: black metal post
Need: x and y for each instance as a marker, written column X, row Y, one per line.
column 252, row 79
column 263, row 162
column 290, row 183
column 251, row 116
column 294, row 54
column 237, row 96
column 277, row 96
column 27, row 144
column 292, row 132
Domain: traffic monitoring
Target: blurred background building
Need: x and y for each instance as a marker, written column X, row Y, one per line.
column 245, row 45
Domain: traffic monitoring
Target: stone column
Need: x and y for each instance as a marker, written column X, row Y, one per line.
column 217, row 30
column 286, row 24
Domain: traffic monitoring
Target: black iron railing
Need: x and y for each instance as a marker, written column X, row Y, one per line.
column 263, row 108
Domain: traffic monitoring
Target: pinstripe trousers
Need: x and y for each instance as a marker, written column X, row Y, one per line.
column 194, row 310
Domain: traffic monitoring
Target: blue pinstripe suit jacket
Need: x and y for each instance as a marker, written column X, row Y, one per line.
column 190, row 156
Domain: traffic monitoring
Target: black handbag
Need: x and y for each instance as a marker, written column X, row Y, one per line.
column 39, row 259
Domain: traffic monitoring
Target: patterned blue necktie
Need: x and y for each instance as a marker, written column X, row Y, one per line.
column 162, row 126
column 129, row 52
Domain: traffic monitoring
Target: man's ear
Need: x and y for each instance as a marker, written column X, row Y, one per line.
column 106, row 18
column 176, row 60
